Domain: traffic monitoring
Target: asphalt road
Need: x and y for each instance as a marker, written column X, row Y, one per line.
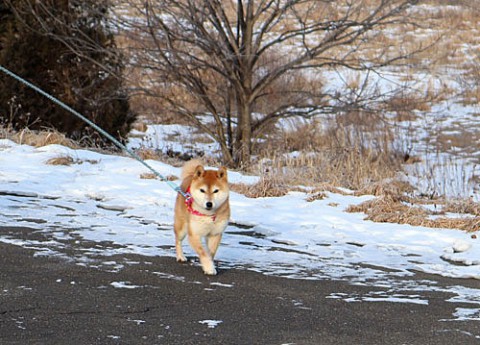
column 133, row 299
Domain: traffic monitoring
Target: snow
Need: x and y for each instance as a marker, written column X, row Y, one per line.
column 124, row 285
column 380, row 297
column 466, row 314
column 154, row 138
column 210, row 323
column 102, row 199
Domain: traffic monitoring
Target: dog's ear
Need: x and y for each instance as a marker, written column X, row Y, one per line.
column 199, row 170
column 222, row 173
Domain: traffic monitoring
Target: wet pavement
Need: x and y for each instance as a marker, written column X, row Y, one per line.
column 66, row 297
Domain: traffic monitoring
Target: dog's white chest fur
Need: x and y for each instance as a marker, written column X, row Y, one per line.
column 205, row 226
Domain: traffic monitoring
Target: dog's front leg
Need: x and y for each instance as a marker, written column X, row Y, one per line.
column 205, row 258
column 213, row 242
column 180, row 233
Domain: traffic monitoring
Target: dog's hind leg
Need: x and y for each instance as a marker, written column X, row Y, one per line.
column 180, row 233
column 205, row 258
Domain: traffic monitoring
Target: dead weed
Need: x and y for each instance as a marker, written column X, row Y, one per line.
column 67, row 160
column 152, row 176
column 401, row 210
column 61, row 160
column 265, row 187
column 41, row 138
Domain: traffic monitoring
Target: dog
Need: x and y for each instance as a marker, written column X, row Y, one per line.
column 203, row 213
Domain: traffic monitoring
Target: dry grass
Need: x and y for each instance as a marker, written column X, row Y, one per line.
column 148, row 176
column 39, row 138
column 268, row 186
column 67, row 160
column 61, row 160
column 336, row 157
column 152, row 176
column 386, row 188
column 148, row 153
column 140, row 126
column 316, row 196
column 393, row 205
column 467, row 206
column 395, row 209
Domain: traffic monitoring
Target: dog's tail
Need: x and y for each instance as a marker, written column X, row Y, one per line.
column 189, row 168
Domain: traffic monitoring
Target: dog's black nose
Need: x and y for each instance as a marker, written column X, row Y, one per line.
column 209, row 204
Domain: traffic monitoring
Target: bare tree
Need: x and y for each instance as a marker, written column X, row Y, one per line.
column 249, row 63
column 234, row 68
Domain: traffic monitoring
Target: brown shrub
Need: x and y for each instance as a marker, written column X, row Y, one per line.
column 62, row 160
column 152, row 176
column 316, row 196
column 147, row 153
column 266, row 187
column 389, row 209
column 386, row 187
column 467, row 206
column 40, row 138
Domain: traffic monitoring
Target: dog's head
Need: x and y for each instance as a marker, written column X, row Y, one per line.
column 209, row 188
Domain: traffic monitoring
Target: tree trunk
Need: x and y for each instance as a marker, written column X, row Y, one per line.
column 244, row 130
column 245, row 135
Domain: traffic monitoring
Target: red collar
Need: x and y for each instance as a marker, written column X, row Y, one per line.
column 191, row 210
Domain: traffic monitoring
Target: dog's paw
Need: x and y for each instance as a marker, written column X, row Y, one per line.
column 181, row 259
column 210, row 271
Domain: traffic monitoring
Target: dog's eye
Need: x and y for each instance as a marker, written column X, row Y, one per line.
column 215, row 191
column 202, row 190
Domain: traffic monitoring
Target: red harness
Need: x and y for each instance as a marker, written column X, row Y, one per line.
column 189, row 202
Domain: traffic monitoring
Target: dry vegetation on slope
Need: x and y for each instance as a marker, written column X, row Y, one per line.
column 354, row 149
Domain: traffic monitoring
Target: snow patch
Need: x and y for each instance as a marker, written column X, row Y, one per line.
column 210, row 323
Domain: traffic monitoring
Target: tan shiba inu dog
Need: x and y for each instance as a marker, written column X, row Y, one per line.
column 203, row 214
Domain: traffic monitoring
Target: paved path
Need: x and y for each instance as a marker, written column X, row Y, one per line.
column 133, row 299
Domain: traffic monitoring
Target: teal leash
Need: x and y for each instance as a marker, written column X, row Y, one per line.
column 97, row 128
